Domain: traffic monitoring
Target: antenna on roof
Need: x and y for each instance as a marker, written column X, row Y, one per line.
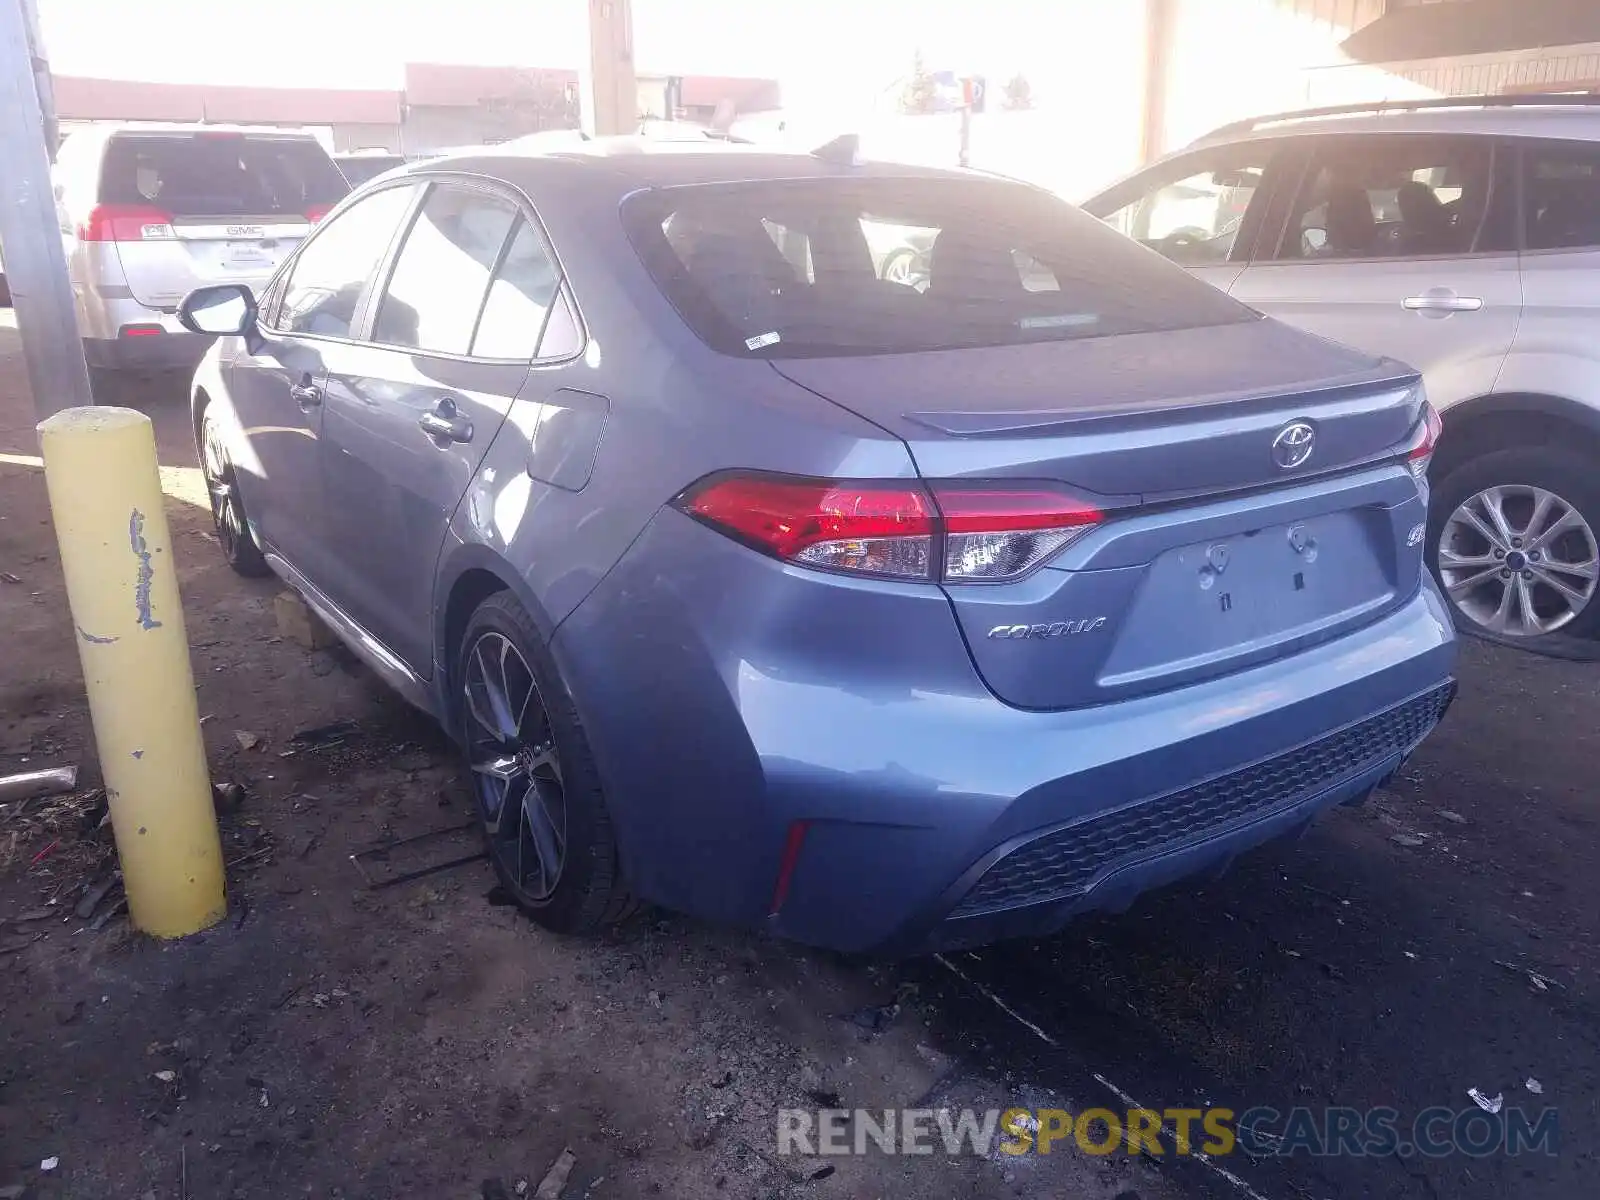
column 844, row 150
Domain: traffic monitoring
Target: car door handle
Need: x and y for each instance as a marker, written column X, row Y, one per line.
column 444, row 424
column 306, row 395
column 1442, row 303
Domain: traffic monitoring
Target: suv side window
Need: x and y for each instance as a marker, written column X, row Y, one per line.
column 331, row 271
column 1400, row 197
column 1561, row 195
column 1195, row 220
column 441, row 276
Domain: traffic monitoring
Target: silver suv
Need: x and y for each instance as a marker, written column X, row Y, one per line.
column 1461, row 236
column 151, row 212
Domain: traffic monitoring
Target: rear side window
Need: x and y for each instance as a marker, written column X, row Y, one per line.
column 328, row 276
column 519, row 299
column 221, row 175
column 442, row 274
column 883, row 266
column 1561, row 196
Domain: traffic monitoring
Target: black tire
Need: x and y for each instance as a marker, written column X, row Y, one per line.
column 587, row 891
column 1569, row 476
column 227, row 505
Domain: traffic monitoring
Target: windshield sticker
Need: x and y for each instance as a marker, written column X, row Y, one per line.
column 762, row 340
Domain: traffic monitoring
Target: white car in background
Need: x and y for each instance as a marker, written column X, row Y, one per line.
column 1460, row 235
column 150, row 212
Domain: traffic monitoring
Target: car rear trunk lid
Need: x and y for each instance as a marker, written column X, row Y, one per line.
column 1222, row 547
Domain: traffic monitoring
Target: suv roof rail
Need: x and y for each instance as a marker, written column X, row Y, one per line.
column 1518, row 100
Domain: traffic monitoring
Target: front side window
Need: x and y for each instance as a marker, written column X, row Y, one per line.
column 331, row 271
column 1195, row 221
column 802, row 268
column 1561, row 190
column 442, row 273
column 1396, row 198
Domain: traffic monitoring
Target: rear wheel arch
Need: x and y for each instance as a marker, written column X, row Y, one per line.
column 472, row 574
column 1496, row 422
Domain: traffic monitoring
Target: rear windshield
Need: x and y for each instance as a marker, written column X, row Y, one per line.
column 220, row 174
column 815, row 267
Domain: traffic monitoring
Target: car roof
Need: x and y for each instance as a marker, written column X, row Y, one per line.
column 632, row 162
column 1569, row 117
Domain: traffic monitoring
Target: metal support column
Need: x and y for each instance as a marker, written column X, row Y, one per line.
column 30, row 231
column 608, row 93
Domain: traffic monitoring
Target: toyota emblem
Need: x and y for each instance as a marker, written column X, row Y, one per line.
column 1293, row 445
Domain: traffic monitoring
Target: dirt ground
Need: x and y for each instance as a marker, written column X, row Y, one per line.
column 415, row 1041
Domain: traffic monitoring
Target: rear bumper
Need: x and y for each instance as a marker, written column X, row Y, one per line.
column 103, row 321
column 167, row 351
column 752, row 697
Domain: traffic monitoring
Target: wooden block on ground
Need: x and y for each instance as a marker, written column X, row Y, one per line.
column 299, row 624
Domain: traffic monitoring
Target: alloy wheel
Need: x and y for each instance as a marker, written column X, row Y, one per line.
column 225, row 511
column 516, row 768
column 1519, row 560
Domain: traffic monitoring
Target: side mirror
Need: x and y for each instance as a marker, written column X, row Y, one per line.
column 220, row 310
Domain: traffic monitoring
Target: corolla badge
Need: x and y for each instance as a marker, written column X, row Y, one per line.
column 1293, row 445
column 1053, row 630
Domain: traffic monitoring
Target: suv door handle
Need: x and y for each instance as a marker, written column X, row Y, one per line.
column 1442, row 302
column 445, row 423
column 306, row 395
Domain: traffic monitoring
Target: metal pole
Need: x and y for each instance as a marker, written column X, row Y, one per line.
column 964, row 152
column 1159, row 19
column 607, row 91
column 30, row 231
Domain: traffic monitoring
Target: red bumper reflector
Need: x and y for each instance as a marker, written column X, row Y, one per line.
column 140, row 331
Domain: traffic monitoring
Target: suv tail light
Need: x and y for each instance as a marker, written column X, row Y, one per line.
column 316, row 212
column 1420, row 453
column 125, row 223
column 959, row 532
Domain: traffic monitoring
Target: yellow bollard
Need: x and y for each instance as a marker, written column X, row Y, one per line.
column 116, row 554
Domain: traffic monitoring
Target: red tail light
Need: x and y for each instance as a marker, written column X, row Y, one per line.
column 125, row 223
column 316, row 212
column 962, row 532
column 1420, row 453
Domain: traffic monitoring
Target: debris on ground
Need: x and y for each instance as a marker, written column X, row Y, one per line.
column 1454, row 818
column 30, row 785
column 227, row 798
column 1533, row 1085
column 1538, row 982
column 299, row 624
column 1409, row 840
column 246, row 739
column 94, row 895
column 50, row 1164
column 1489, row 1104
column 323, row 737
column 556, row 1178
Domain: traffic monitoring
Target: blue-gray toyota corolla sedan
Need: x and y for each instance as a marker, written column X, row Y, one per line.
column 764, row 578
